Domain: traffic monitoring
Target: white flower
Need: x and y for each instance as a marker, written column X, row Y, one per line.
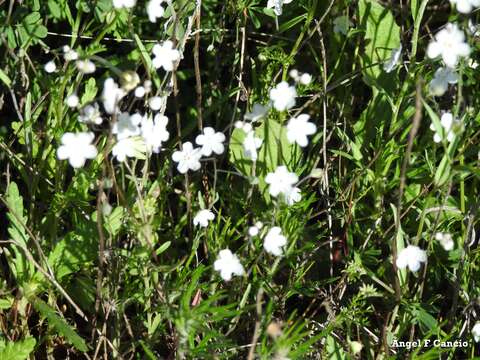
column 258, row 112
column 283, row 96
column 72, row 100
column 393, row 61
column 250, row 145
column 443, row 76
column 445, row 239
column 118, row 4
column 228, row 264
column 411, row 256
column 277, row 5
column 50, row 67
column 449, row 44
column 154, row 132
column 274, row 241
column 127, row 125
column 77, row 148
column 124, row 148
column 341, row 25
column 253, row 230
column 294, row 74
column 90, row 114
column 165, row 55
column 211, row 141
column 449, row 125
column 292, row 196
column 155, row 10
column 203, row 217
column 155, row 103
column 305, row 79
column 188, row 158
column 111, row 95
column 86, row 66
column 69, row 54
column 281, row 181
column 476, row 331
column 466, row 6
column 140, row 91
column 299, row 128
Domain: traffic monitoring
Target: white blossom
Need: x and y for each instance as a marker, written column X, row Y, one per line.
column 476, row 331
column 165, row 55
column 449, row 126
column 118, row 4
column 154, row 132
column 90, row 114
column 228, row 264
column 188, row 158
column 445, row 239
column 283, row 96
column 124, row 148
column 274, row 241
column 394, row 59
column 292, row 196
column 155, row 103
column 442, row 77
column 72, row 100
column 298, row 128
column 155, row 10
column 411, row 257
column 203, row 217
column 86, row 66
column 50, row 67
column 294, row 74
column 77, row 148
column 253, row 231
column 211, row 141
column 111, row 96
column 258, row 112
column 277, row 5
column 450, row 44
column 139, row 91
column 127, row 125
column 281, row 181
column 69, row 54
column 466, row 6
column 305, row 79
column 250, row 145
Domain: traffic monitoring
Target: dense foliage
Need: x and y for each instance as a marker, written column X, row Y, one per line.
column 242, row 179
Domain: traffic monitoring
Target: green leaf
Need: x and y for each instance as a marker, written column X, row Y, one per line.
column 55, row 9
column 19, row 350
column 90, row 91
column 334, row 350
column 59, row 324
column 383, row 36
column 4, row 77
column 72, row 253
column 16, row 230
column 291, row 23
column 443, row 171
